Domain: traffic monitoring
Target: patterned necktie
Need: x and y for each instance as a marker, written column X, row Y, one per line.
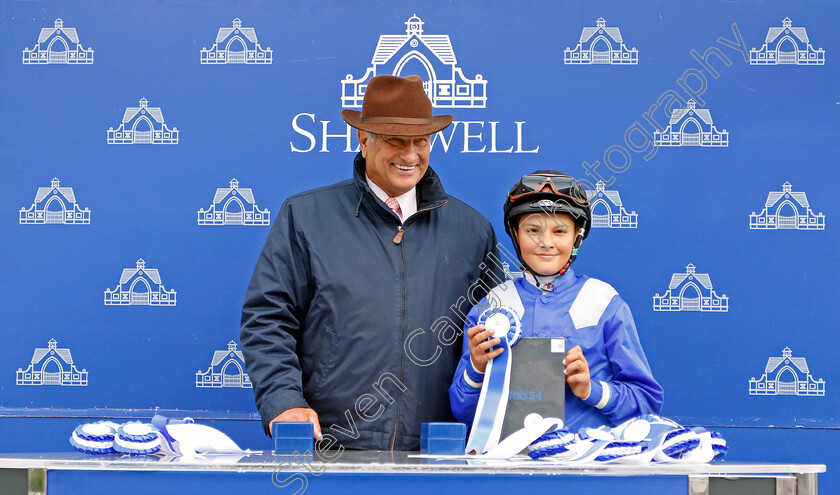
column 394, row 205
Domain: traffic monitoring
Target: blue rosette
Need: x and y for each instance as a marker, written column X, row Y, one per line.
column 550, row 444
column 93, row 438
column 680, row 441
column 504, row 321
column 620, row 449
column 719, row 446
column 136, row 438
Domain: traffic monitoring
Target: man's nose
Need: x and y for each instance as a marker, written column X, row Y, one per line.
column 411, row 153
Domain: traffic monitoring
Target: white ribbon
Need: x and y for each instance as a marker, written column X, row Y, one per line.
column 490, row 413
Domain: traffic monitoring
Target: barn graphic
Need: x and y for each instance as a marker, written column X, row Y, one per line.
column 510, row 274
column 787, row 209
column 601, row 45
column 143, row 125
column 58, row 45
column 55, row 205
column 691, row 126
column 226, row 370
column 236, row 45
column 429, row 56
column 608, row 211
column 787, row 45
column 691, row 291
column 787, row 375
column 234, row 205
column 52, row 365
column 140, row 286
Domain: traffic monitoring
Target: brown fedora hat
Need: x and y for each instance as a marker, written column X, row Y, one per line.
column 396, row 106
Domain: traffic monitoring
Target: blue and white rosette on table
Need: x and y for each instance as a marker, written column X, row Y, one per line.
column 671, row 441
column 719, row 446
column 137, row 438
column 94, row 438
column 490, row 413
column 555, row 443
column 589, row 445
column 636, row 441
column 184, row 437
column 164, row 436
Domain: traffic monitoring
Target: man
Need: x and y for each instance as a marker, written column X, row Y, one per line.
column 352, row 316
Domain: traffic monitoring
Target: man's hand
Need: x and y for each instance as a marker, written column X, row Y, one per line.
column 299, row 415
column 577, row 373
column 479, row 344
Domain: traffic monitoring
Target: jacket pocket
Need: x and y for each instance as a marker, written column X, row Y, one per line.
column 324, row 361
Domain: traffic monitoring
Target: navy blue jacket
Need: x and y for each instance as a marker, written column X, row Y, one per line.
column 364, row 330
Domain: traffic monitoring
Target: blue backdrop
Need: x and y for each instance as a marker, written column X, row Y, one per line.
column 715, row 222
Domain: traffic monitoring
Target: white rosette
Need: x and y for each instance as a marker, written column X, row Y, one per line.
column 93, row 438
column 136, row 438
column 503, row 321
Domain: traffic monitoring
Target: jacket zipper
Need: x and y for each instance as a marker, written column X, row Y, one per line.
column 400, row 231
column 398, row 238
column 402, row 282
column 398, row 241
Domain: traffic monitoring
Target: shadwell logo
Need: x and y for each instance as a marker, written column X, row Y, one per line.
column 432, row 57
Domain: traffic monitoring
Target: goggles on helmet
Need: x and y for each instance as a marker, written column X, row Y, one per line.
column 562, row 185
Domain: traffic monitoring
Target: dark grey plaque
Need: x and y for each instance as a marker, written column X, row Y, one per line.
column 537, row 381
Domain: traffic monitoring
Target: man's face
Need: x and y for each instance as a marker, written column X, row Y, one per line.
column 395, row 163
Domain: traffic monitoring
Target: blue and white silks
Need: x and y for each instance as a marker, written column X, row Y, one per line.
column 589, row 313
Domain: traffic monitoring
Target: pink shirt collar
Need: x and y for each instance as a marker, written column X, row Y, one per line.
column 407, row 201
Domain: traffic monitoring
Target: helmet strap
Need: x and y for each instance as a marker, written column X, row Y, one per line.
column 578, row 240
column 565, row 268
column 524, row 266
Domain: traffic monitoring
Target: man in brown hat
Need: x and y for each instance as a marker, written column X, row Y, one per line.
column 353, row 314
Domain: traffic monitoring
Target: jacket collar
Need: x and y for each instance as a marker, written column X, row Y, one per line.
column 561, row 283
column 430, row 193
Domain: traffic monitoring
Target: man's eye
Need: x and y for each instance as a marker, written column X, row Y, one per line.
column 394, row 141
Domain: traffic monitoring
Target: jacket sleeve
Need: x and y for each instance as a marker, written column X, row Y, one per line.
column 489, row 269
column 466, row 384
column 491, row 272
column 275, row 305
column 632, row 391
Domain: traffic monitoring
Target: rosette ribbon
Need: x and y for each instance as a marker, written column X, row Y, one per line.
column 490, row 413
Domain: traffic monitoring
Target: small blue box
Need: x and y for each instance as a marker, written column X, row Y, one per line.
column 443, row 438
column 293, row 438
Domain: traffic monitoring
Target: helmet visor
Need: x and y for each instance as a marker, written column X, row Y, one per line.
column 562, row 185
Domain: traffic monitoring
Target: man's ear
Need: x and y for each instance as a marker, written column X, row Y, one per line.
column 363, row 141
